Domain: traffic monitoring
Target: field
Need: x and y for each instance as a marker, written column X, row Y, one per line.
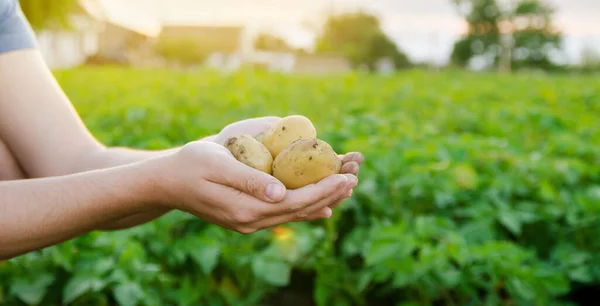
column 477, row 189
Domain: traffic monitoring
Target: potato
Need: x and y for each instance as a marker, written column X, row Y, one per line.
column 261, row 138
column 249, row 151
column 286, row 131
column 304, row 162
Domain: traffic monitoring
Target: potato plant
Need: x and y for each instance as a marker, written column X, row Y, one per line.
column 477, row 189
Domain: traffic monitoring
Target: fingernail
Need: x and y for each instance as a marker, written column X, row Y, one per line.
column 328, row 213
column 275, row 191
column 349, row 193
column 352, row 180
column 342, row 180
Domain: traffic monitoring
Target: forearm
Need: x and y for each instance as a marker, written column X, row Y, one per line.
column 116, row 156
column 40, row 212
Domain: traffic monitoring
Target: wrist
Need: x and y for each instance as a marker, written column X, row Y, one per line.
column 145, row 189
column 155, row 186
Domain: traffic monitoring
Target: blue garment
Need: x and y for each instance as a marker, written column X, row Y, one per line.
column 15, row 31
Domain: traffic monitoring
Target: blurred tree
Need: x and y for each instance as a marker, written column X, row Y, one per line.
column 270, row 42
column 483, row 18
column 183, row 51
column 43, row 14
column 590, row 59
column 359, row 37
column 516, row 35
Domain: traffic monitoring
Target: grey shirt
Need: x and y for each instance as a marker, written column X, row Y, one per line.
column 15, row 31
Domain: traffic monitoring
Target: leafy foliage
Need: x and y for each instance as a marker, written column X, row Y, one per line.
column 359, row 37
column 43, row 14
column 477, row 190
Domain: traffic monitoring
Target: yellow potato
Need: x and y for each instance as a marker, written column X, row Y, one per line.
column 304, row 162
column 249, row 151
column 286, row 131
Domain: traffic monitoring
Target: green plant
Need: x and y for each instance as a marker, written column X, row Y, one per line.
column 477, row 189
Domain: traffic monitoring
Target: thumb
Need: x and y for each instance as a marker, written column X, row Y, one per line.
column 254, row 182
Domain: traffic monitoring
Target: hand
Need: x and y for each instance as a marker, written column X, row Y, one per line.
column 253, row 127
column 204, row 179
column 350, row 162
column 350, row 166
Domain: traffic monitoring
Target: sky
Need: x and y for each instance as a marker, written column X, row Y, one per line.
column 424, row 29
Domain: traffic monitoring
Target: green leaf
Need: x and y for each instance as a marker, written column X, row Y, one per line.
column 384, row 249
column 354, row 242
column 206, row 256
column 511, row 221
column 276, row 273
column 450, row 277
column 364, row 279
column 556, row 284
column 32, row 290
column 581, row 274
column 104, row 265
column 380, row 251
column 80, row 285
column 128, row 294
column 405, row 270
column 520, row 289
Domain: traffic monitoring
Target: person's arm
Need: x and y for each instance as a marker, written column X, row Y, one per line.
column 48, row 138
column 43, row 131
column 201, row 178
column 41, row 212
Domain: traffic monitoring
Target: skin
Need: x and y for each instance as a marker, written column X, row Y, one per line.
column 58, row 182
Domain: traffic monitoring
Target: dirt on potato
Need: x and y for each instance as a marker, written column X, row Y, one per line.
column 249, row 151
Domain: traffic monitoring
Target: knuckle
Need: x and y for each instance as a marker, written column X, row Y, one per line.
column 302, row 215
column 294, row 207
column 252, row 184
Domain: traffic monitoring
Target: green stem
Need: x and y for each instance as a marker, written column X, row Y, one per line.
column 330, row 230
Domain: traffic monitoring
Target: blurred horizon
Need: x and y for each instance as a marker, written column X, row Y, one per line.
column 424, row 30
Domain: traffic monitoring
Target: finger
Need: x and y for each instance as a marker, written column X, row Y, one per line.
column 338, row 195
column 350, row 168
column 302, row 198
column 352, row 157
column 249, row 180
column 323, row 213
column 271, row 119
column 226, row 206
column 336, row 204
column 319, row 210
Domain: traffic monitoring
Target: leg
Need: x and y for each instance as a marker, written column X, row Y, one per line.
column 9, row 168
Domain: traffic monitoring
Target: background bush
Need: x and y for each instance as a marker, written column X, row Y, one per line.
column 477, row 189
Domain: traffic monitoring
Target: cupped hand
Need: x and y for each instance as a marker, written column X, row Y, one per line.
column 204, row 179
column 351, row 162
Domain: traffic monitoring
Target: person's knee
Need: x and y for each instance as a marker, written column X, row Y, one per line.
column 9, row 168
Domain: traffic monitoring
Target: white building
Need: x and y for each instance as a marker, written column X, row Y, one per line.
column 95, row 31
